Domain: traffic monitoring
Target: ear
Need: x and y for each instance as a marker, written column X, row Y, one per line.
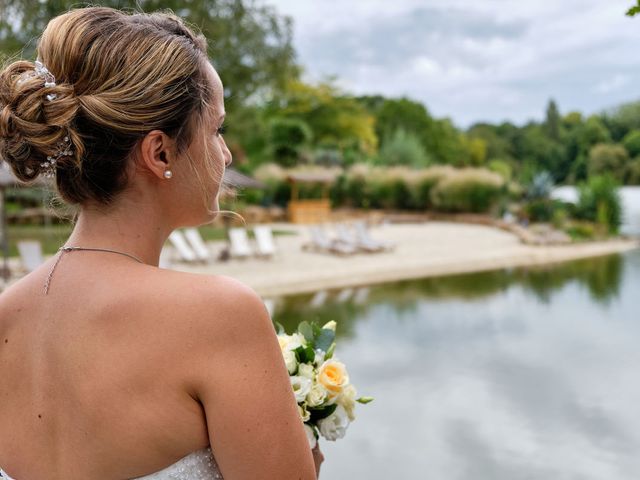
column 156, row 152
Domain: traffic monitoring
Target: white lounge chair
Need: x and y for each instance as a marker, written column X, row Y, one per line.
column 264, row 241
column 30, row 254
column 346, row 235
column 185, row 253
column 364, row 238
column 320, row 241
column 239, row 243
column 197, row 244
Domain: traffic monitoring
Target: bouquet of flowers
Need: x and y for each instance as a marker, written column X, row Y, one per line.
column 326, row 399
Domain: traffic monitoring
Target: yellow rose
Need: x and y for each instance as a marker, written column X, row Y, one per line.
column 333, row 376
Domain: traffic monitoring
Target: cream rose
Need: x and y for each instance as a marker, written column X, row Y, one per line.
column 335, row 425
column 333, row 376
column 306, row 370
column 290, row 342
column 347, row 400
column 290, row 361
column 301, row 387
column 316, row 395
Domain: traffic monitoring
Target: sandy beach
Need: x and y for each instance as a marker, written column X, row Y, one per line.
column 422, row 250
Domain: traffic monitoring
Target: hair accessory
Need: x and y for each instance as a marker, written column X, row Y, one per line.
column 64, row 150
column 49, row 79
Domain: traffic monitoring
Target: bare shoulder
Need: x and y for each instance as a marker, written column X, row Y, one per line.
column 213, row 305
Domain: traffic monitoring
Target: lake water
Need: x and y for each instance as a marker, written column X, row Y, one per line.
column 630, row 197
column 515, row 374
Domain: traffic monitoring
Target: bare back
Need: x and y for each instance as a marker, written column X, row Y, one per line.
column 95, row 372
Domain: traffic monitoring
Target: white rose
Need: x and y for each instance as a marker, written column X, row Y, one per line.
column 319, row 357
column 301, row 387
column 316, row 396
column 306, row 370
column 296, row 341
column 290, row 361
column 335, row 425
column 310, row 436
column 290, row 342
column 305, row 415
column 347, row 399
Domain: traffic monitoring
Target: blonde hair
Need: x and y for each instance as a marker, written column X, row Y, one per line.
column 118, row 76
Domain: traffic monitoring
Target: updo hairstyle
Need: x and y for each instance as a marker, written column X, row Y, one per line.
column 117, row 77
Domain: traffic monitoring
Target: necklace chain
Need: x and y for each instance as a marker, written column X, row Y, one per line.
column 64, row 249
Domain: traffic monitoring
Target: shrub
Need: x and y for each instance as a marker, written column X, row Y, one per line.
column 631, row 142
column 468, row 190
column 599, row 202
column 540, row 186
column 287, row 139
column 403, row 148
column 422, row 182
column 608, row 159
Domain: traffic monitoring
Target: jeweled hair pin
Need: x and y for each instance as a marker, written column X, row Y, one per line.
column 64, row 150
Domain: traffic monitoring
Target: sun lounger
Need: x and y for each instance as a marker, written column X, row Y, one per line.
column 185, row 252
column 364, row 238
column 264, row 241
column 239, row 243
column 320, row 242
column 197, row 244
column 30, row 254
column 345, row 235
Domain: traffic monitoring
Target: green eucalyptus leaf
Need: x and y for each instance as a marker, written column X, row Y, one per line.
column 305, row 329
column 325, row 339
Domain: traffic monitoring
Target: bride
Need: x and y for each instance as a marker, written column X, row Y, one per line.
column 111, row 368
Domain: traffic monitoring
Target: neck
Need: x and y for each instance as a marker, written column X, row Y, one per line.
column 138, row 230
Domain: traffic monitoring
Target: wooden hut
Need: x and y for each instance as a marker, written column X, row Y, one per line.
column 306, row 210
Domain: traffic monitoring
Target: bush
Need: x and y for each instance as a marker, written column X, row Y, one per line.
column 403, row 148
column 608, row 159
column 544, row 210
column 540, row 187
column 631, row 142
column 468, row 190
column 599, row 202
column 422, row 182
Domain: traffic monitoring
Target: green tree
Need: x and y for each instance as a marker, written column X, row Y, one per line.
column 631, row 142
column 552, row 123
column 250, row 44
column 635, row 10
column 394, row 114
column 610, row 159
column 403, row 148
column 337, row 121
column 288, row 138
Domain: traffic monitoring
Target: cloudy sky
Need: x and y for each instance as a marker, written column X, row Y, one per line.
column 474, row 60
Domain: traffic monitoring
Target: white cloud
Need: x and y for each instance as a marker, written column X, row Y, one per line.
column 472, row 61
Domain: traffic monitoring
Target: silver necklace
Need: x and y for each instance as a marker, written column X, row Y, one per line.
column 68, row 249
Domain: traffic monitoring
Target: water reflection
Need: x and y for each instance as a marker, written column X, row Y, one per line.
column 501, row 375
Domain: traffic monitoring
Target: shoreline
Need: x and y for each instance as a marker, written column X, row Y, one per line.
column 429, row 249
column 424, row 250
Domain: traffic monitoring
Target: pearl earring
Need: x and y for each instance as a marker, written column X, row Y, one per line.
column 167, row 174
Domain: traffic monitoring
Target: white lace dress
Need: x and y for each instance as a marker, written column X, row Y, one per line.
column 199, row 465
